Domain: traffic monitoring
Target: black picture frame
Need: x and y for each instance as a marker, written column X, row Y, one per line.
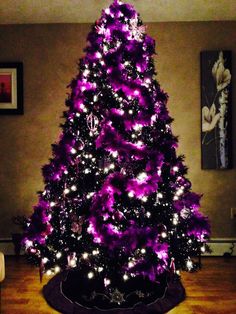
column 11, row 88
column 216, row 109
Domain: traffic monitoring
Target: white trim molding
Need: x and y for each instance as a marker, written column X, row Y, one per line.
column 220, row 246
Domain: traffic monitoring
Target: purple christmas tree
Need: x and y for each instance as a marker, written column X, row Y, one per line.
column 116, row 204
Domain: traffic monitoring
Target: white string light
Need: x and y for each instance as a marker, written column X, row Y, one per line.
column 90, row 275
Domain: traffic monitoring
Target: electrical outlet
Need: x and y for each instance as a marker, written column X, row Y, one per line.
column 233, row 212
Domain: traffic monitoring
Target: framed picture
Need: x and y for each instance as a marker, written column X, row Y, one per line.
column 216, row 98
column 11, row 88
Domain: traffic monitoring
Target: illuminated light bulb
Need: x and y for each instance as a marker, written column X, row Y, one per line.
column 73, row 188
column 203, row 249
column 175, row 168
column 136, row 92
column 66, row 191
column 86, row 171
column 65, row 172
column 175, row 198
column 131, row 264
column 45, row 260
column 131, row 194
column 139, row 68
column 85, row 110
column 159, row 195
column 90, row 156
column 164, row 234
column 58, row 255
column 106, row 169
column 138, row 127
column 102, row 62
column 95, row 252
column 175, row 221
column 98, row 55
column 85, row 255
column 77, row 114
column 115, row 154
column 107, row 11
column 97, row 240
column 139, row 143
column 133, row 136
column 90, row 275
column 189, row 241
column 142, row 176
column 125, row 277
column 48, row 272
column 100, row 269
column 147, row 80
column 73, row 263
column 82, row 106
column 52, row 204
column 130, row 111
column 179, row 192
column 177, row 272
column 107, row 282
column 126, row 63
column 95, row 98
column 89, row 195
column 143, row 251
column 144, row 199
column 112, row 166
column 93, row 159
column 73, row 151
column 86, row 72
column 57, row 269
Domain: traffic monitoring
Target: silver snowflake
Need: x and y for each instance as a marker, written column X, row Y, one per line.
column 140, row 294
column 117, row 297
column 185, row 213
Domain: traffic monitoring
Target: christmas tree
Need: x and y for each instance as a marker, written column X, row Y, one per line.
column 116, row 204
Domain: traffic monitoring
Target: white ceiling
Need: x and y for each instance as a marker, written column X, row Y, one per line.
column 87, row 11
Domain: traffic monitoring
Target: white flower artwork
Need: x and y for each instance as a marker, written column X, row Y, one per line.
column 215, row 94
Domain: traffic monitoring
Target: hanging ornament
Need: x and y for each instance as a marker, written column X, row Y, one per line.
column 72, row 259
column 76, row 228
column 185, row 213
column 77, row 224
column 92, row 122
column 136, row 30
column 172, row 265
column 189, row 264
column 80, row 144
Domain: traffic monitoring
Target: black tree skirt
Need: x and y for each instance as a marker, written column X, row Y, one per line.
column 68, row 293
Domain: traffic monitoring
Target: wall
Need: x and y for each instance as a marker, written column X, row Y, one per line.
column 50, row 53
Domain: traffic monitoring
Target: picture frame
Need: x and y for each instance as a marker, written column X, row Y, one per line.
column 216, row 109
column 11, row 88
